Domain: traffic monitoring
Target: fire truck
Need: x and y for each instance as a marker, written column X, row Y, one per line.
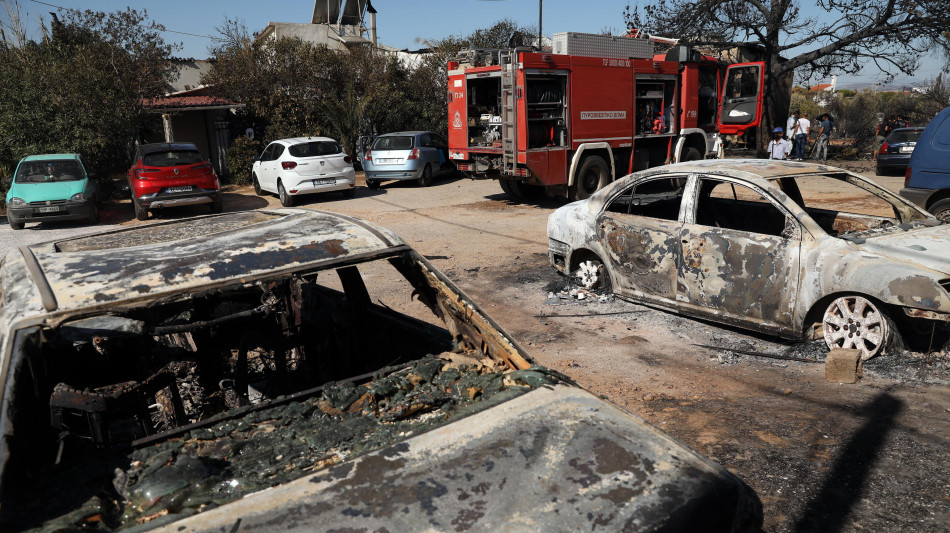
column 596, row 108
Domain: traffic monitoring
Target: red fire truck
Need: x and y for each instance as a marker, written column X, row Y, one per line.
column 597, row 108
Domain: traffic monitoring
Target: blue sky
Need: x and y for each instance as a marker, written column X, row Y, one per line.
column 401, row 23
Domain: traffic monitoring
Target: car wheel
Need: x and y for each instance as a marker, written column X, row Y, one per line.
column 879, row 170
column 372, row 184
column 16, row 225
column 286, row 200
column 257, row 185
column 941, row 210
column 141, row 212
column 217, row 206
column 855, row 322
column 426, row 179
column 593, row 174
column 592, row 274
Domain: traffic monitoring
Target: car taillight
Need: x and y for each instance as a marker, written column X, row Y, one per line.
column 289, row 165
column 907, row 177
column 207, row 168
column 141, row 172
column 369, row 155
column 347, row 159
column 883, row 149
column 414, row 154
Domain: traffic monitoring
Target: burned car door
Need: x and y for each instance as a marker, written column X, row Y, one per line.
column 740, row 255
column 638, row 230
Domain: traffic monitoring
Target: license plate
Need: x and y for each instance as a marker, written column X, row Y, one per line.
column 907, row 149
column 48, row 209
column 324, row 181
column 178, row 189
column 390, row 160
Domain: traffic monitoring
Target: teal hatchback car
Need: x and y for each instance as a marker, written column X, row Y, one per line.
column 51, row 187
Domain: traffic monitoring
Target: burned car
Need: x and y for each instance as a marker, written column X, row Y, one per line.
column 774, row 246
column 300, row 370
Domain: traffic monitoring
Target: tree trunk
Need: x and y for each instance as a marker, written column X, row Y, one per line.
column 778, row 98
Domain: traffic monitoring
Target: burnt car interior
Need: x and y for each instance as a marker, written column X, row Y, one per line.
column 729, row 205
column 658, row 198
column 193, row 401
column 869, row 208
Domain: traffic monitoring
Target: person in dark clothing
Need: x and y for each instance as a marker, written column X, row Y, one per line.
column 882, row 132
column 824, row 132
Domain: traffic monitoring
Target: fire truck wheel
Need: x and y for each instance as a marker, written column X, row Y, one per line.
column 519, row 190
column 691, row 154
column 593, row 174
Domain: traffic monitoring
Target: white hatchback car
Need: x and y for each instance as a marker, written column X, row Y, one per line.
column 303, row 165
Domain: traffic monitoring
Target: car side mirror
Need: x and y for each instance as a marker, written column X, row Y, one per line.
column 92, row 175
column 257, row 158
column 8, row 181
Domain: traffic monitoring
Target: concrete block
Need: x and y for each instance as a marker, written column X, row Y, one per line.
column 843, row 365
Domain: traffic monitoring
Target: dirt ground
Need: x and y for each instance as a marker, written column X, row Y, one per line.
column 873, row 456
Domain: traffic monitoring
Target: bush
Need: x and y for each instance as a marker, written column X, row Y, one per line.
column 241, row 155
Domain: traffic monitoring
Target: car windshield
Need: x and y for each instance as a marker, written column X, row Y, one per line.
column 172, row 158
column 904, row 136
column 845, row 205
column 50, row 170
column 315, row 148
column 400, row 142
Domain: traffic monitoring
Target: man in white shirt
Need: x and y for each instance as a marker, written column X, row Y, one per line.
column 802, row 126
column 790, row 126
column 778, row 147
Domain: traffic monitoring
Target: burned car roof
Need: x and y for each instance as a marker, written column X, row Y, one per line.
column 305, row 371
column 178, row 256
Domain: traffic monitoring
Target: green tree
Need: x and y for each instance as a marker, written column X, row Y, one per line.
column 293, row 88
column 890, row 34
column 80, row 88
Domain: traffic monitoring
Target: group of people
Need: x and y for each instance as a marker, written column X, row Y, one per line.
column 890, row 124
column 798, row 129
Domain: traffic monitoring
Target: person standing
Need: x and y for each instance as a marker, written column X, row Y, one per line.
column 790, row 126
column 802, row 125
column 824, row 130
column 778, row 146
column 882, row 132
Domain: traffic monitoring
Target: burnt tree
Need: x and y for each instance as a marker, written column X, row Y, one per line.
column 839, row 36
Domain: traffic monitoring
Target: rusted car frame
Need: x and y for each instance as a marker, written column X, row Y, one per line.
column 734, row 242
column 168, row 374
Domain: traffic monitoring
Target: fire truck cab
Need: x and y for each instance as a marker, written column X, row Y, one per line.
column 597, row 108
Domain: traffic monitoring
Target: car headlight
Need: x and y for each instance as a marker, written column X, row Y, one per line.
column 78, row 197
column 16, row 201
column 558, row 246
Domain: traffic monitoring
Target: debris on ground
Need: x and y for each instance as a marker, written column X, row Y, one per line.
column 843, row 366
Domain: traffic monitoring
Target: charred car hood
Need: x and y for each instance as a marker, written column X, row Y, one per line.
column 925, row 247
column 555, row 459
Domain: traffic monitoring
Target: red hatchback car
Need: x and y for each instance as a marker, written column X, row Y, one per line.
column 169, row 175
